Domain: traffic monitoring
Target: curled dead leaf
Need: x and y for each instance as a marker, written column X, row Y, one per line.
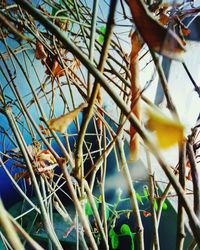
column 61, row 123
column 40, row 53
column 160, row 39
column 163, row 17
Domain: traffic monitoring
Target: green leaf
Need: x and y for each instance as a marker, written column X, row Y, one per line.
column 107, row 212
column 146, row 193
column 114, row 238
column 139, row 198
column 132, row 241
column 115, row 241
column 88, row 209
column 164, row 206
column 125, row 229
column 111, row 232
column 155, row 205
column 101, row 37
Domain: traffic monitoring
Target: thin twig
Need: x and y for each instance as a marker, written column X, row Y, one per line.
column 132, row 194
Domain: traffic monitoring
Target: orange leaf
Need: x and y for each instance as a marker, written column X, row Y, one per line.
column 137, row 44
column 61, row 123
column 157, row 37
column 185, row 31
column 57, row 70
column 20, row 175
column 40, row 53
column 46, row 155
column 164, row 19
column 146, row 214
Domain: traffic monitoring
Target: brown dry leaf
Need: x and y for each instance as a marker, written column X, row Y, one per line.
column 45, row 131
column 61, row 123
column 62, row 24
column 185, row 31
column 164, row 18
column 136, row 43
column 40, row 53
column 45, row 12
column 45, row 155
column 57, row 70
column 21, row 175
column 157, row 37
column 75, row 64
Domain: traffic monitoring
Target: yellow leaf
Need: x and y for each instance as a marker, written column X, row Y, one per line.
column 61, row 123
column 168, row 131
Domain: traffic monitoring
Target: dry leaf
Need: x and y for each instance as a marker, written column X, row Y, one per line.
column 20, row 175
column 136, row 43
column 57, row 69
column 168, row 131
column 146, row 214
column 40, row 53
column 45, row 155
column 164, row 18
column 61, row 123
column 45, row 12
column 185, row 31
column 157, row 37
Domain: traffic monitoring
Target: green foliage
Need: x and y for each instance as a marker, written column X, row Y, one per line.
column 139, row 198
column 107, row 212
column 145, row 192
column 124, row 231
column 101, row 36
column 88, row 209
column 164, row 206
column 114, row 239
column 155, row 205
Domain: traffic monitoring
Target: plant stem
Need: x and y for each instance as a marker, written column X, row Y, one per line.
column 194, row 221
column 45, row 218
column 77, row 205
column 180, row 216
column 156, row 243
column 10, row 232
column 96, row 214
column 92, row 41
column 95, row 90
column 132, row 194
